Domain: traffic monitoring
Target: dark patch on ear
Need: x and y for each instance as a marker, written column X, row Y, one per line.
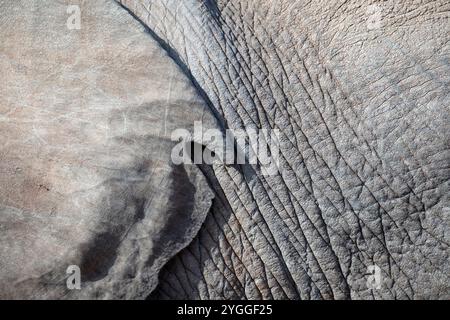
column 99, row 256
column 180, row 208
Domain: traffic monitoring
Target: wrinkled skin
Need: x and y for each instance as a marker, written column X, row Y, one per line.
column 364, row 170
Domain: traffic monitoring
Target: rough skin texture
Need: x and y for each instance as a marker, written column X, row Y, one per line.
column 365, row 149
column 364, row 173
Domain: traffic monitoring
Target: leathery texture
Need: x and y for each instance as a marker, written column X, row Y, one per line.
column 364, row 166
column 86, row 177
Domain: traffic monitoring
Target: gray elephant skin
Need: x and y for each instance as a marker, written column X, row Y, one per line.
column 359, row 207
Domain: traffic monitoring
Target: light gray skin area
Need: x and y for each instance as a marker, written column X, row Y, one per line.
column 86, row 177
column 85, row 172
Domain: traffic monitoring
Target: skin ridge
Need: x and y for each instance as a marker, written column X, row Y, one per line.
column 345, row 223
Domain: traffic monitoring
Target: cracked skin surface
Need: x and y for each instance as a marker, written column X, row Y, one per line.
column 364, row 116
column 364, row 168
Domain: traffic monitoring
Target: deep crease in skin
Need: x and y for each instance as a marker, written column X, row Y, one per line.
column 313, row 186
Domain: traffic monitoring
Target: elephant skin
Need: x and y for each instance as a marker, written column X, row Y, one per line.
column 359, row 92
column 86, row 177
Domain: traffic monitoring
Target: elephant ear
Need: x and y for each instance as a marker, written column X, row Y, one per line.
column 86, row 177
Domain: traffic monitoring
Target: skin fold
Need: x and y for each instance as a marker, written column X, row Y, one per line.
column 359, row 91
column 365, row 160
column 86, row 178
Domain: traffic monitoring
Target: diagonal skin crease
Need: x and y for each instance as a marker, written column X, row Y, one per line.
column 228, row 38
column 263, row 113
column 177, row 59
